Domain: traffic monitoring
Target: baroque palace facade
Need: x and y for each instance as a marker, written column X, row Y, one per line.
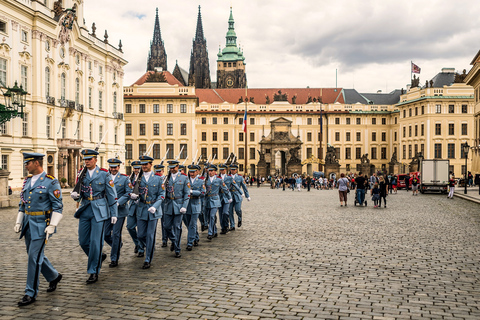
column 74, row 82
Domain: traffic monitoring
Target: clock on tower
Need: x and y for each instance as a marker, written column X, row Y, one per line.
column 230, row 82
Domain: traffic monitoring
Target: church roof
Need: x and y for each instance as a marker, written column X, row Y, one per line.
column 171, row 80
column 327, row 95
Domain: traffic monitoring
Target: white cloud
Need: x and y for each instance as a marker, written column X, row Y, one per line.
column 301, row 43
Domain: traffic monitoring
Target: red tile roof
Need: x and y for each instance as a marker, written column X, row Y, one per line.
column 168, row 76
column 328, row 95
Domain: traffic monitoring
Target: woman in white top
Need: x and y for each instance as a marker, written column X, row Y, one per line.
column 343, row 185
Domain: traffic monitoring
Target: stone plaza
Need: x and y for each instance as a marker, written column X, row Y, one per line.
column 298, row 255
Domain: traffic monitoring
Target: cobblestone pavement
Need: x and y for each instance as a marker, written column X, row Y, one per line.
column 298, row 255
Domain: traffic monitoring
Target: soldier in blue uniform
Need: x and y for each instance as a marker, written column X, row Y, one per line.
column 132, row 217
column 176, row 202
column 40, row 211
column 159, row 169
column 98, row 204
column 197, row 192
column 214, row 185
column 149, row 208
column 224, row 212
column 113, row 232
column 238, row 184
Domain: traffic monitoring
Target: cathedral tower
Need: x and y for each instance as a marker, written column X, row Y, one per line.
column 199, row 73
column 157, row 57
column 231, row 62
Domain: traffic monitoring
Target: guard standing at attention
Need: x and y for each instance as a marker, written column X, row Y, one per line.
column 159, row 169
column 113, row 232
column 194, row 208
column 176, row 202
column 98, row 204
column 40, row 211
column 224, row 210
column 149, row 208
column 132, row 217
column 213, row 185
column 236, row 189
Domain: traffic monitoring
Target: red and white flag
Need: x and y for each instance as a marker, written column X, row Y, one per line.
column 244, row 126
column 415, row 68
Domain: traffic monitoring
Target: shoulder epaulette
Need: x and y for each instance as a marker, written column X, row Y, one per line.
column 124, row 175
column 104, row 169
column 50, row 176
column 158, row 174
column 29, row 176
column 219, row 176
column 239, row 175
column 202, row 178
column 184, row 174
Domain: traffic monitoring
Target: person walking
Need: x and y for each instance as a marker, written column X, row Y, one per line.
column 308, row 181
column 190, row 218
column 451, row 185
column 407, row 182
column 132, row 216
column 343, row 186
column 383, row 186
column 360, row 182
column 237, row 196
column 414, row 183
column 213, row 185
column 394, row 183
column 375, row 192
column 40, row 211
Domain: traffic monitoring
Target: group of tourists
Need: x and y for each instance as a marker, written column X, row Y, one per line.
column 106, row 199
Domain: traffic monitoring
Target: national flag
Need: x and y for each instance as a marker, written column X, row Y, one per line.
column 244, row 127
column 415, row 68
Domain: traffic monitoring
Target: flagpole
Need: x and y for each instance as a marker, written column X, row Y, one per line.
column 411, row 71
column 246, row 135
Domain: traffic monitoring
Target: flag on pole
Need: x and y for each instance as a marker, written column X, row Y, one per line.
column 244, row 126
column 415, row 68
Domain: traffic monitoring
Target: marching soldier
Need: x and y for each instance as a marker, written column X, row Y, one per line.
column 113, row 232
column 40, row 211
column 236, row 189
column 132, row 217
column 98, row 204
column 176, row 203
column 159, row 168
column 224, row 212
column 213, row 185
column 197, row 192
column 149, row 208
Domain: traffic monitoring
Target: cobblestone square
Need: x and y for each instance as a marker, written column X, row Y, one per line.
column 298, row 255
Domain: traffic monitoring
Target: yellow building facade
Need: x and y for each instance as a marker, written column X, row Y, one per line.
column 473, row 79
column 74, row 82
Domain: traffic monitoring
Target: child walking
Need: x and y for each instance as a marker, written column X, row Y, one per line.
column 375, row 192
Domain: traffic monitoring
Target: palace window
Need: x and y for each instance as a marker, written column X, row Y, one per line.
column 438, row 108
column 451, row 108
column 464, row 108
column 77, row 93
column 423, row 109
column 171, row 150
column 347, row 136
column 438, row 150
column 215, row 153
column 128, row 129
column 225, row 153
column 359, row 136
column 252, row 154
column 348, row 153
column 309, row 136
column 204, row 136
column 100, row 100
column 3, row 26
column 184, row 149
column 422, row 129
column 183, row 129
column 358, row 153
column 241, row 154
column 183, row 108
column 156, row 129
column 204, row 120
column 347, row 120
column 309, row 121
column 142, row 129
column 169, row 129
column 5, row 161
column 374, row 136
column 416, row 130
column 156, row 108
column 47, row 80
column 214, row 136
column 203, row 152
column 464, row 129
column 90, row 132
column 128, row 108
column 100, row 133
column 25, row 125
column 90, row 98
column 142, row 108
column 451, row 151
column 225, row 120
column 156, row 151
column 374, row 153
column 409, row 131
column 384, row 136
column 142, row 149
column 384, row 121
column 451, row 129
column 128, row 151
column 214, row 120
column 374, row 120
column 438, row 129
column 359, row 121
column 383, row 154
column 240, row 136
column 49, row 125
column 252, row 121
column 225, row 136
column 169, row 108
column 63, row 85
column 252, row 136
column 337, row 120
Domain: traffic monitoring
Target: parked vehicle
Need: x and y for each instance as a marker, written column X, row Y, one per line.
column 434, row 176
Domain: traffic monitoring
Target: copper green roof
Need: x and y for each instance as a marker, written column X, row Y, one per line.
column 231, row 52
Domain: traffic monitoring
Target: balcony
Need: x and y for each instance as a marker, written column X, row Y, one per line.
column 51, row 101
column 117, row 115
column 70, row 104
column 69, row 144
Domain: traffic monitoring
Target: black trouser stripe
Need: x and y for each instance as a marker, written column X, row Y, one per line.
column 101, row 247
column 37, row 269
column 120, row 241
column 153, row 244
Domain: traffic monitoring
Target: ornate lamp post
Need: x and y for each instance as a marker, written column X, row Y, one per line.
column 466, row 149
column 15, row 101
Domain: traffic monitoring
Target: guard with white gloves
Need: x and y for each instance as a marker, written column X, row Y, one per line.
column 148, row 210
column 236, row 188
column 197, row 192
column 132, row 208
column 114, row 227
column 226, row 198
column 177, row 197
column 214, row 186
column 98, row 205
column 40, row 211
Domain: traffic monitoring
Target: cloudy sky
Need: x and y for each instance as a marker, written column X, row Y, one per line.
column 301, row 43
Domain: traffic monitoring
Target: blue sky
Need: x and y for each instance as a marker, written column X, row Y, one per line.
column 302, row 43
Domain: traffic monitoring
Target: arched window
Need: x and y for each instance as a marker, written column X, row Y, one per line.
column 114, row 102
column 77, row 91
column 47, row 82
column 63, row 85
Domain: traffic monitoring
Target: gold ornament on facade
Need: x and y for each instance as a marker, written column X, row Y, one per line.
column 312, row 160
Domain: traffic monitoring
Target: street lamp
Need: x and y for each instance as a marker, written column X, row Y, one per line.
column 466, row 148
column 15, row 101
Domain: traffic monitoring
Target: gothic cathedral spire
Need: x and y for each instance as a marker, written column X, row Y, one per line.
column 199, row 73
column 157, row 57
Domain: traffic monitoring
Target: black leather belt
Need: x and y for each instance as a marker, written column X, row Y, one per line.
column 212, row 195
column 195, row 197
column 146, row 202
column 93, row 198
column 174, row 198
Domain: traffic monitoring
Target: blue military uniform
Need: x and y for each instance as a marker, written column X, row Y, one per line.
column 113, row 232
column 177, row 197
column 159, row 172
column 150, row 199
column 132, row 217
column 194, row 208
column 224, row 212
column 214, row 186
column 98, row 203
column 38, row 201
column 238, row 184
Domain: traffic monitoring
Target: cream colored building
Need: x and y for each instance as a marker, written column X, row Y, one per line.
column 473, row 79
column 74, row 82
column 436, row 120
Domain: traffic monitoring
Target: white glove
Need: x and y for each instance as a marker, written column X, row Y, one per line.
column 183, row 210
column 191, row 191
column 230, row 200
column 249, row 199
column 113, row 220
column 133, row 196
column 18, row 224
column 152, row 210
column 74, row 195
column 118, row 204
column 50, row 230
column 54, row 220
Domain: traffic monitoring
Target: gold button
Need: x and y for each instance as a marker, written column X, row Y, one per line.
column 30, row 192
column 28, row 207
column 40, row 191
column 29, row 197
